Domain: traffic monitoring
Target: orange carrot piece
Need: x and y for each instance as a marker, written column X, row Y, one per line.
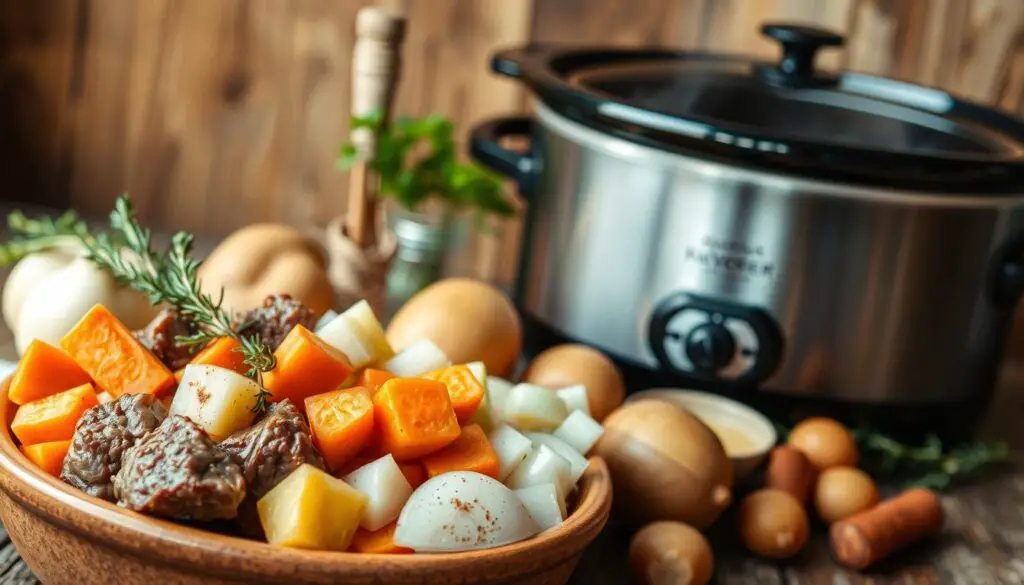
column 306, row 366
column 111, row 355
column 465, row 391
column 378, row 542
column 178, row 374
column 48, row 456
column 223, row 352
column 53, row 418
column 342, row 423
column 470, row 452
column 414, row 417
column 414, row 473
column 373, row 379
column 43, row 371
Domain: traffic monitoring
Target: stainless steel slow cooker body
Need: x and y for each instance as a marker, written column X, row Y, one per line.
column 731, row 275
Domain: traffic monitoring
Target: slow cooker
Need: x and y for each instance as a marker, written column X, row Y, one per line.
column 770, row 230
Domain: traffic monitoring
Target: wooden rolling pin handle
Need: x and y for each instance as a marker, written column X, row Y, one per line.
column 376, row 59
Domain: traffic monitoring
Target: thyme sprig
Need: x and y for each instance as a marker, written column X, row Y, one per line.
column 164, row 278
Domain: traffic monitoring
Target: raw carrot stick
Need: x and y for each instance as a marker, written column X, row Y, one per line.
column 223, row 352
column 306, row 366
column 373, row 379
column 52, row 418
column 111, row 355
column 464, row 390
column 414, row 417
column 342, row 423
column 43, row 371
column 378, row 542
column 869, row 536
column 414, row 473
column 470, row 452
column 791, row 471
column 48, row 456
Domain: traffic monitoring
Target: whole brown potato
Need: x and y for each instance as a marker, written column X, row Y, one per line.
column 826, row 442
column 570, row 364
column 841, row 492
column 773, row 524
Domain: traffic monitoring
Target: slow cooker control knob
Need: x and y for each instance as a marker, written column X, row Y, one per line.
column 710, row 347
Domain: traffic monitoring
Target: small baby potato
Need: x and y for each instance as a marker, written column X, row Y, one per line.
column 670, row 553
column 825, row 442
column 842, row 492
column 773, row 524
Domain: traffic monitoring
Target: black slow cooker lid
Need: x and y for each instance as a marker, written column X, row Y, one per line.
column 785, row 116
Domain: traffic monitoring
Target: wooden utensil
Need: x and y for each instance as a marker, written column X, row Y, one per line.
column 375, row 66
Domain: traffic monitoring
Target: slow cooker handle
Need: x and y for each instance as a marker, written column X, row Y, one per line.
column 485, row 146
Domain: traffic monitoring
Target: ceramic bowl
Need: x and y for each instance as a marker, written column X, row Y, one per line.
column 720, row 411
column 68, row 538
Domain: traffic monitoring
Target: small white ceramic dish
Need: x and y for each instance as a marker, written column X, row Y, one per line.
column 719, row 411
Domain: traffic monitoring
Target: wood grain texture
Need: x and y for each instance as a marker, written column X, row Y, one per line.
column 219, row 114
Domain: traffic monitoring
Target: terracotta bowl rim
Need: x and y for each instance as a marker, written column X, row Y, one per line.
column 166, row 542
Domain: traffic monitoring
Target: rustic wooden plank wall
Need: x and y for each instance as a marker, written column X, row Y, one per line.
column 215, row 114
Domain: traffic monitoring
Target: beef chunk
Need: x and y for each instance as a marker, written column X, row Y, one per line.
column 273, row 448
column 278, row 315
column 177, row 471
column 102, row 436
column 160, row 336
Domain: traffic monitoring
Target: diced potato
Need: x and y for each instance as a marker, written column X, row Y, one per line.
column 342, row 334
column 545, row 505
column 324, row 320
column 498, row 389
column 370, row 330
column 511, row 447
column 575, row 398
column 484, row 415
column 532, row 408
column 542, row 465
column 580, row 431
column 577, row 463
column 219, row 400
column 386, row 490
column 419, row 358
column 310, row 509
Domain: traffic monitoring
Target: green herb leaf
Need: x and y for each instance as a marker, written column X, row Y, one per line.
column 416, row 159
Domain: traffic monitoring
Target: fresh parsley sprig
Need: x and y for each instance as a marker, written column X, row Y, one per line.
column 164, row 278
column 416, row 159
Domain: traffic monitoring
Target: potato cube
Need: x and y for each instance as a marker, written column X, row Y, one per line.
column 312, row 510
column 218, row 400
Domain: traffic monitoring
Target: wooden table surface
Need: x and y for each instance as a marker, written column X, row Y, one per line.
column 982, row 543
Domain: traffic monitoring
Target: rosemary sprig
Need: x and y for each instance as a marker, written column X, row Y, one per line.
column 929, row 465
column 169, row 278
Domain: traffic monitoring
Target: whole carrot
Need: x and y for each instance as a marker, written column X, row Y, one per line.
column 868, row 537
column 791, row 471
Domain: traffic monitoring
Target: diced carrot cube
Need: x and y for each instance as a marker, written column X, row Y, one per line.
column 372, row 379
column 113, row 358
column 470, row 452
column 306, row 366
column 223, row 352
column 464, row 390
column 48, row 456
column 43, row 371
column 414, row 417
column 53, row 418
column 414, row 473
column 378, row 542
column 342, row 423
